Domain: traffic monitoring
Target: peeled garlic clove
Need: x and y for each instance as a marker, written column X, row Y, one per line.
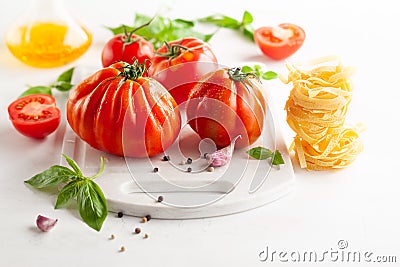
column 223, row 156
column 45, row 224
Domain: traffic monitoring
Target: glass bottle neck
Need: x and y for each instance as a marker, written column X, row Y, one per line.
column 50, row 10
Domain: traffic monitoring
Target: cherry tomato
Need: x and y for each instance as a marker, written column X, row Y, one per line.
column 227, row 103
column 35, row 115
column 126, row 47
column 279, row 42
column 180, row 64
column 118, row 111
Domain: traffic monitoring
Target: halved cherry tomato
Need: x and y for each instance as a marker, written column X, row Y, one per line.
column 35, row 115
column 279, row 42
column 126, row 47
column 180, row 64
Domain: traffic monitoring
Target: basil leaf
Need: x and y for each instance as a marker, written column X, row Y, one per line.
column 73, row 165
column 92, row 204
column 277, row 158
column 62, row 86
column 182, row 23
column 257, row 70
column 221, row 21
column 66, row 76
column 37, row 90
column 247, row 18
column 52, row 176
column 162, row 29
column 269, row 75
column 247, row 69
column 248, row 31
column 67, row 193
column 260, row 153
column 116, row 30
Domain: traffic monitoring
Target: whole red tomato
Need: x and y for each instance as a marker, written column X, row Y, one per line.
column 180, row 64
column 126, row 47
column 227, row 103
column 279, row 42
column 118, row 111
column 35, row 115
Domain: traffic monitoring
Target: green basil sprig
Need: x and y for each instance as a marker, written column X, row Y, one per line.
column 91, row 201
column 257, row 70
column 262, row 153
column 244, row 26
column 161, row 29
column 63, row 83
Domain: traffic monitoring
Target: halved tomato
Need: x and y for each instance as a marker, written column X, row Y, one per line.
column 279, row 42
column 35, row 115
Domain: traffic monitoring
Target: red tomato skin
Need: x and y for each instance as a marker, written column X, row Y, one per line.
column 138, row 119
column 117, row 50
column 45, row 108
column 220, row 108
column 181, row 73
column 275, row 48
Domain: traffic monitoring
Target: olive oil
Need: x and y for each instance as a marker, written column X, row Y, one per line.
column 46, row 35
column 47, row 44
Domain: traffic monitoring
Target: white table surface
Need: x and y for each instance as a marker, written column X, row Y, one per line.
column 358, row 204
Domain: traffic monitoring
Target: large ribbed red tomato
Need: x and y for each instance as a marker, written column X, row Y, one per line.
column 118, row 111
column 227, row 103
column 180, row 64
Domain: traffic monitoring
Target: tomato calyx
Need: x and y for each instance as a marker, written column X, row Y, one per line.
column 127, row 39
column 131, row 72
column 173, row 50
column 237, row 75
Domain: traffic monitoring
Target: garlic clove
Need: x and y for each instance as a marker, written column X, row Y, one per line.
column 45, row 224
column 223, row 156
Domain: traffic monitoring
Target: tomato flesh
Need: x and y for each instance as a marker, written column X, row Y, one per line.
column 35, row 115
column 279, row 46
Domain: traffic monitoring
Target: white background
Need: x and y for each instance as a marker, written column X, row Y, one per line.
column 358, row 204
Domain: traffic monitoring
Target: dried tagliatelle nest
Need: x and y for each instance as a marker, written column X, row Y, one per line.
column 316, row 111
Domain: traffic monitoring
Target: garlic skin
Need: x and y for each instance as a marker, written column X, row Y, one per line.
column 223, row 156
column 45, row 224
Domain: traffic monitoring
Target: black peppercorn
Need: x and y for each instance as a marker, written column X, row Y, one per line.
column 148, row 217
column 155, row 169
column 189, row 169
column 189, row 161
column 165, row 158
column 160, row 199
column 120, row 214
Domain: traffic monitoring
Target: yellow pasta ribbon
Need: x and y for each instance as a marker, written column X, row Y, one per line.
column 316, row 111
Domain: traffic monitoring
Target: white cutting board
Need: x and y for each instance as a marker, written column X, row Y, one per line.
column 131, row 186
